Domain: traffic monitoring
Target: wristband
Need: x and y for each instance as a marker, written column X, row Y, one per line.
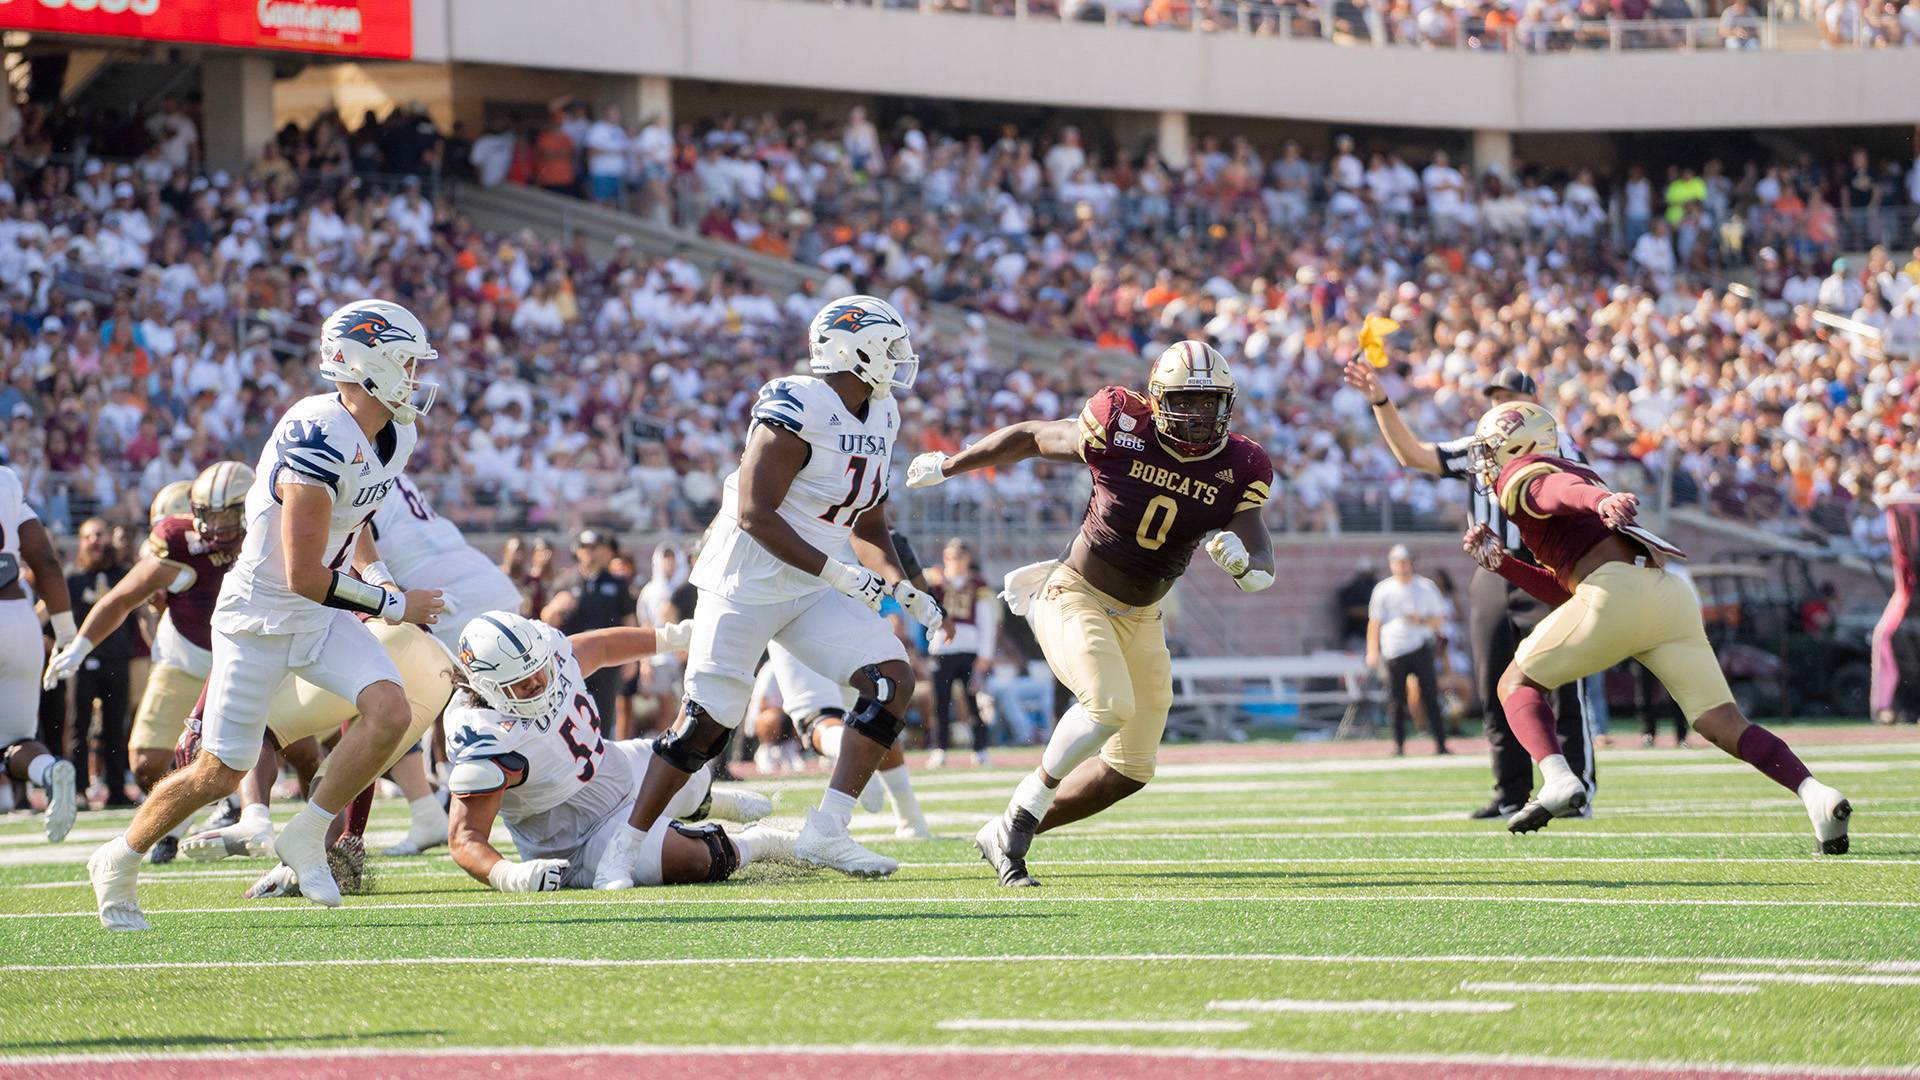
column 501, row 870
column 376, row 573
column 1381, row 404
column 63, row 627
column 352, row 594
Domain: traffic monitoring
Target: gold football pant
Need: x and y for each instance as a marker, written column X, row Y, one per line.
column 300, row 708
column 1114, row 658
column 1623, row 610
column 164, row 705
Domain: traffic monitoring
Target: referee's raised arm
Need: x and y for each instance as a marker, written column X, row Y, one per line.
column 1408, row 449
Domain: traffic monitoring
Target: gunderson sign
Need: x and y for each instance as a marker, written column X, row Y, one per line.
column 370, row 28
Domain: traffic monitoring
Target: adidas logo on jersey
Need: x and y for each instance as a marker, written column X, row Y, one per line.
column 834, row 420
column 1225, row 474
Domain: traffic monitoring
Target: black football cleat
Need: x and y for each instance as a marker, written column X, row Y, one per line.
column 1003, row 843
column 1563, row 797
column 1494, row 809
column 165, row 851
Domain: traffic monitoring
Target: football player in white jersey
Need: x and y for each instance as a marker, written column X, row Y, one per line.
column 423, row 550
column 25, row 546
column 811, row 486
column 818, row 708
column 288, row 604
column 524, row 741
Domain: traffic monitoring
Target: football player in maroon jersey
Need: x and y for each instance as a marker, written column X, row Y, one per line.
column 186, row 558
column 1602, row 574
column 1166, row 473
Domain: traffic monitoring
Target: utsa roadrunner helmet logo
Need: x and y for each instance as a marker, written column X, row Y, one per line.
column 853, row 317
column 372, row 328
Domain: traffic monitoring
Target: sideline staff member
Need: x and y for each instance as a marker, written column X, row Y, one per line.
column 597, row 599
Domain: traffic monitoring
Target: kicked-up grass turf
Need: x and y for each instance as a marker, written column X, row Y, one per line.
column 1253, row 904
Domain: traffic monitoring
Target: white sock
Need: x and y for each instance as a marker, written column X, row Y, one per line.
column 310, row 821
column 829, row 741
column 1553, row 767
column 838, row 805
column 257, row 816
column 1033, row 795
column 123, row 855
column 426, row 811
column 900, row 791
column 746, row 842
column 38, row 768
column 1811, row 790
column 1075, row 739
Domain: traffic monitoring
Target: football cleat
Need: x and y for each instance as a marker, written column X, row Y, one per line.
column 421, row 834
column 916, row 829
column 1562, row 796
column 347, row 859
column 225, row 812
column 937, row 759
column 823, row 841
column 62, row 804
column 274, row 884
column 736, row 804
column 115, row 890
column 235, row 841
column 1003, row 842
column 1829, row 811
column 770, row 845
column 1494, row 809
column 305, row 851
column 165, row 851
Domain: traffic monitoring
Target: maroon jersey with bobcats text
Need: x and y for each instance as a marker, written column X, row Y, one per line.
column 1151, row 506
column 175, row 540
column 1560, row 540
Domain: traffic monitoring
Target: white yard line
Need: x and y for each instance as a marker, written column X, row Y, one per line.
column 1810, row 979
column 1295, row 1005
column 1184, row 1027
column 1607, row 988
column 993, row 1056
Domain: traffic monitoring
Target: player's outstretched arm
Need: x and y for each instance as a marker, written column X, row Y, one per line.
column 1564, row 493
column 148, row 576
column 616, row 645
column 1411, row 451
column 1055, row 440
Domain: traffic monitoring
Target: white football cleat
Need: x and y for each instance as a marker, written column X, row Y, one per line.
column 936, row 759
column 737, row 804
column 915, row 829
column 615, row 871
column 770, row 845
column 306, row 852
column 275, row 883
column 430, row 832
column 240, row 841
column 980, row 758
column 62, row 804
column 823, row 842
column 873, row 797
column 116, row 890
column 1561, row 796
column 1829, row 811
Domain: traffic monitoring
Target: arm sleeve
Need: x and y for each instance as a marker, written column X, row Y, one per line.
column 1561, row 493
column 1538, row 582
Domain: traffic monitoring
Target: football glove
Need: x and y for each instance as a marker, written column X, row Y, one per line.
column 1484, row 546
column 927, row 469
column 1619, row 508
column 539, row 875
column 1254, row 581
column 1228, row 552
column 63, row 627
column 924, row 608
column 673, row 637
column 65, row 661
column 856, row 581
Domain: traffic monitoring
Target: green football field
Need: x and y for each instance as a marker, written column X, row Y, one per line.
column 1264, row 908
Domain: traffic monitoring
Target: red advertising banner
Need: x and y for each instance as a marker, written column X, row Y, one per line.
column 372, row 28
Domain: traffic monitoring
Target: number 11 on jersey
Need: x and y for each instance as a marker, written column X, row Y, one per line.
column 857, row 468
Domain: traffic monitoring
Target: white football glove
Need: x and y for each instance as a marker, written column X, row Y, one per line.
column 926, row 470
column 1483, row 545
column 65, row 661
column 924, row 608
column 1228, row 552
column 856, row 581
column 539, row 875
column 1254, row 581
column 673, row 637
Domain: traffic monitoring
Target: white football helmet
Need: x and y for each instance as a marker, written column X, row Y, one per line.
column 864, row 335
column 509, row 664
column 377, row 345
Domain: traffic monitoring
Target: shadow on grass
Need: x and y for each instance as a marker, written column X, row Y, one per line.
column 214, row 1042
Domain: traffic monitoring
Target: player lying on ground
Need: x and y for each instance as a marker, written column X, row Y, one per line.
column 24, row 545
column 287, row 606
column 1602, row 574
column 787, row 690
column 810, row 493
column 186, row 559
column 523, row 738
column 1166, row 472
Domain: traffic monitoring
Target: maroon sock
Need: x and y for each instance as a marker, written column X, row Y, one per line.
column 1767, row 752
column 1531, row 719
column 358, row 811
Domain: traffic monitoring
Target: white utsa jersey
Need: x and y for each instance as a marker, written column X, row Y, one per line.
column 14, row 512
column 556, row 777
column 844, row 477
column 802, row 690
column 318, row 442
column 426, row 551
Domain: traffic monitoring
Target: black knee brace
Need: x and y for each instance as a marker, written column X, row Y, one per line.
column 726, row 857
column 870, row 718
column 694, row 741
column 883, row 687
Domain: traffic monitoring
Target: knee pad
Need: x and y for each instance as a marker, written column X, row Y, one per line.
column 870, row 718
column 726, row 857
column 697, row 739
column 883, row 686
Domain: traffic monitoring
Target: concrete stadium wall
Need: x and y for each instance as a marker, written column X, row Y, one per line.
column 886, row 52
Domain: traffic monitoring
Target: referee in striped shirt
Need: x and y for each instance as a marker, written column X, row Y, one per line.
column 1502, row 614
